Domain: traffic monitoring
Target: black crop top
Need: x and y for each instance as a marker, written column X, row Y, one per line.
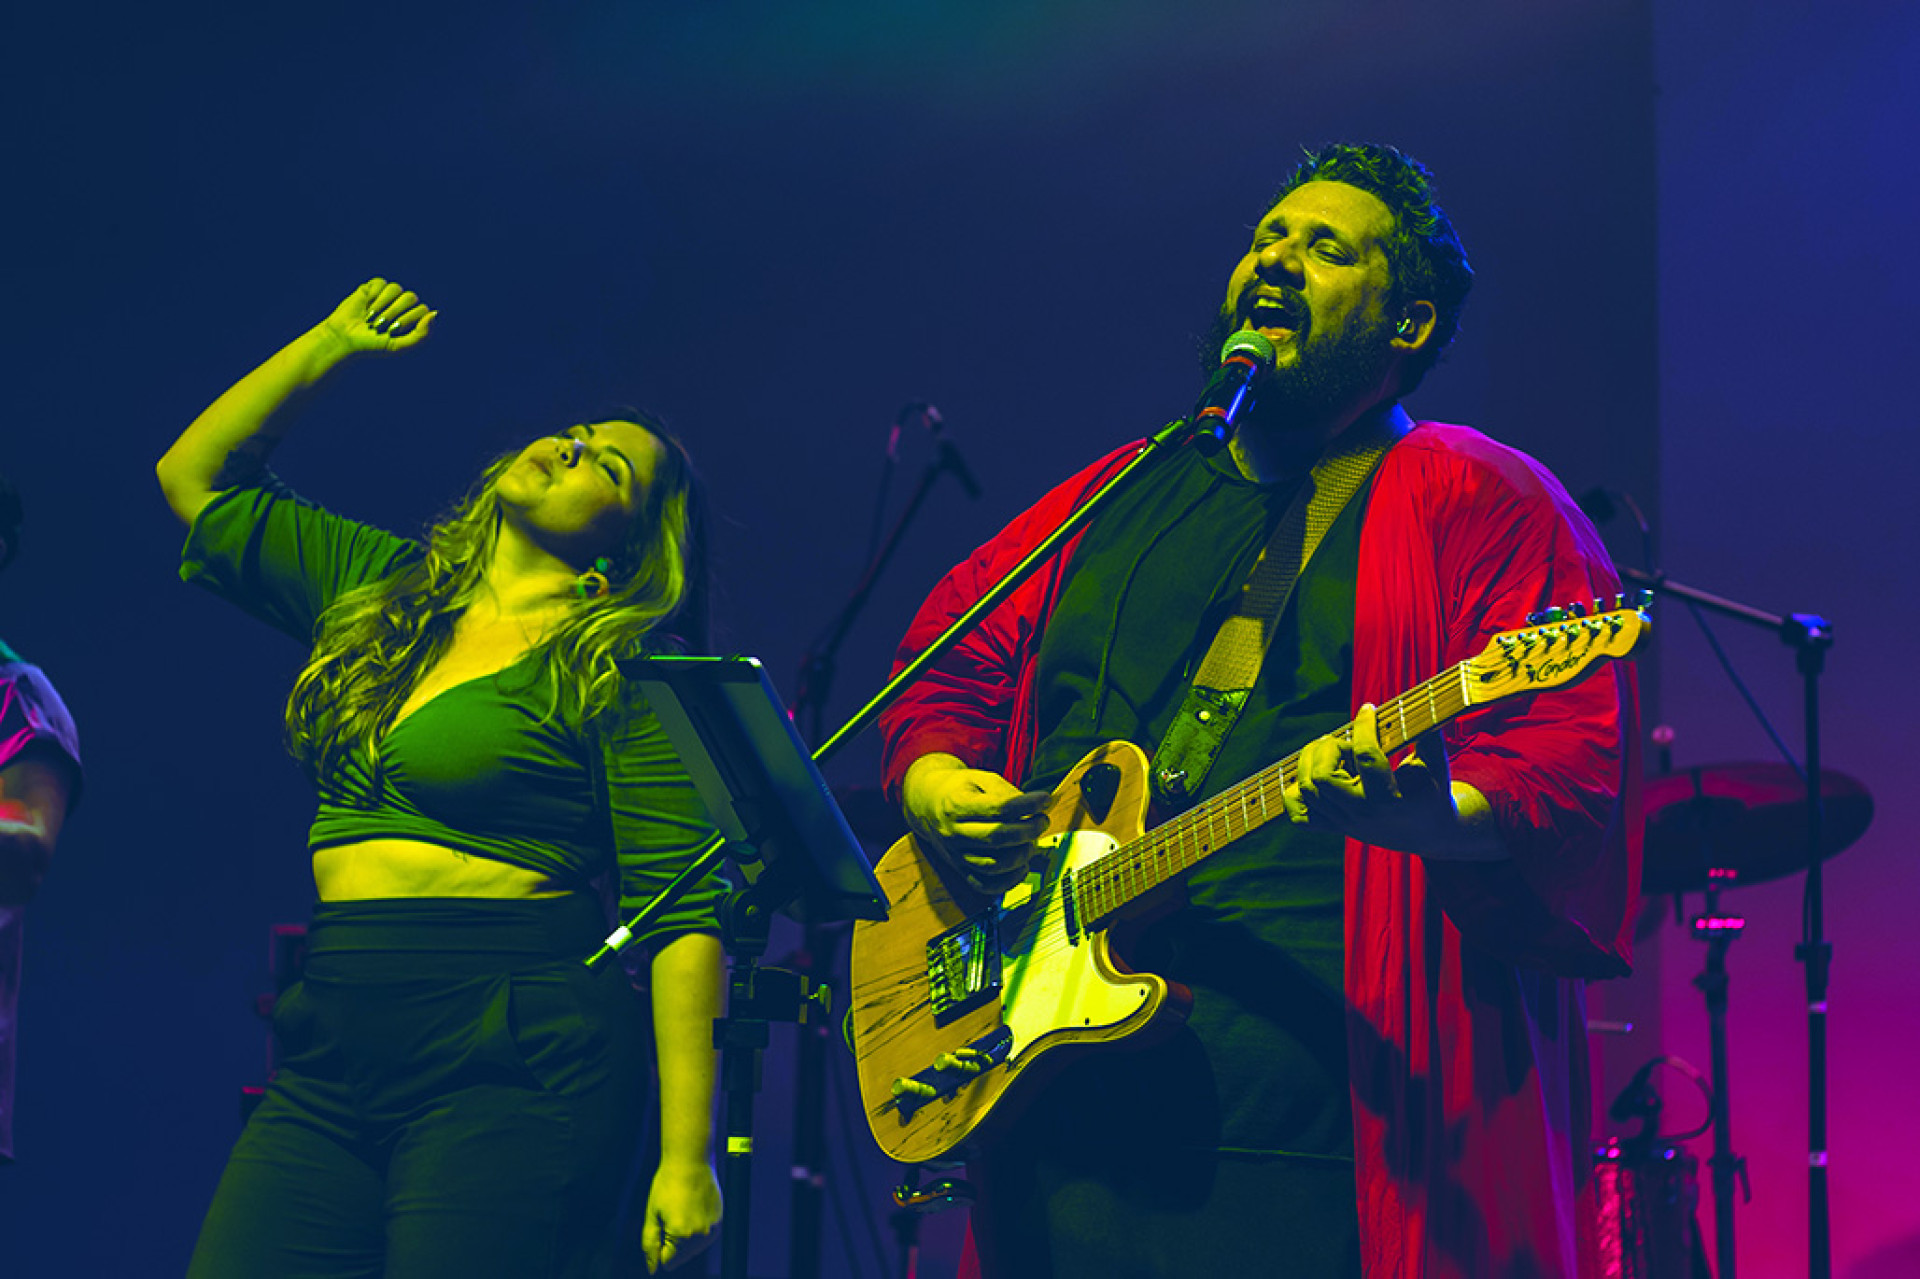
column 473, row 769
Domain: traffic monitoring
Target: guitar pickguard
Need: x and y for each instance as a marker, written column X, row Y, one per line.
column 1051, row 979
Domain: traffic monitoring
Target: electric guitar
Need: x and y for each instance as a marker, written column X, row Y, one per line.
column 954, row 1006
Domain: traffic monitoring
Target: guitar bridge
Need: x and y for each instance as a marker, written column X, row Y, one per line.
column 963, row 966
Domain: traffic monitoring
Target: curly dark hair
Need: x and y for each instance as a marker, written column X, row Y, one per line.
column 1424, row 255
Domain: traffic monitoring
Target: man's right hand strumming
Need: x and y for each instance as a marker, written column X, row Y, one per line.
column 978, row 822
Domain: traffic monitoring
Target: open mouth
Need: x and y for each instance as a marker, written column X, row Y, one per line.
column 1275, row 318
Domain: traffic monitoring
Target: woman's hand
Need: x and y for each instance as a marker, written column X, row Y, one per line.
column 379, row 316
column 228, row 444
column 683, row 1206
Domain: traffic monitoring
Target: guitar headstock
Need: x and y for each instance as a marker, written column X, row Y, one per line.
column 1559, row 646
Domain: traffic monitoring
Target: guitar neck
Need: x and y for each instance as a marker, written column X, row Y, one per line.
column 1131, row 872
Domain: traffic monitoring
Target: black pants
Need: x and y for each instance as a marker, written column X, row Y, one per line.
column 1168, row 1214
column 459, row 1097
column 1115, row 1171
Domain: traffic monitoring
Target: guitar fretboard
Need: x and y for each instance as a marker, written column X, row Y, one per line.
column 1138, row 868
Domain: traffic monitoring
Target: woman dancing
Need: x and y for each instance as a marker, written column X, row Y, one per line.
column 458, row 1094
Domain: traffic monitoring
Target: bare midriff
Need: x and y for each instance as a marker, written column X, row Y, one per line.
column 377, row 868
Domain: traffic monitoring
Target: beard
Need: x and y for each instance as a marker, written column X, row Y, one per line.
column 1329, row 377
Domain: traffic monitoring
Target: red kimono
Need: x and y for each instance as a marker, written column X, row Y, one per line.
column 1467, row 1049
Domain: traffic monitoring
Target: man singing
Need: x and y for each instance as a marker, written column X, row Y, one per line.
column 1384, row 1070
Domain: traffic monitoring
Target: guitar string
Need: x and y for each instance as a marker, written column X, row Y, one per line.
column 1125, row 873
column 1107, row 885
column 1177, row 845
column 1547, row 657
column 1110, row 874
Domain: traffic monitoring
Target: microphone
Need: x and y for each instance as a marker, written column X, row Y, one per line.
column 1638, row 1100
column 948, row 452
column 1244, row 360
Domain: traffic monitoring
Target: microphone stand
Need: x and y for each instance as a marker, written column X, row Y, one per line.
column 817, row 668
column 1173, row 434
column 1229, row 393
column 820, row 945
column 1810, row 636
column 1153, row 446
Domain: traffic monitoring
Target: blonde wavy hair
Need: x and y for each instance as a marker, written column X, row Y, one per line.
column 374, row 643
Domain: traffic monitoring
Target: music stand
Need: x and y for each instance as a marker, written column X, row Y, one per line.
column 781, row 826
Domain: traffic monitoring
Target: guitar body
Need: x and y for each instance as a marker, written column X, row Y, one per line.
column 957, row 1001
column 1059, row 985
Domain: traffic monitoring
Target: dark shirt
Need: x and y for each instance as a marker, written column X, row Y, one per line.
column 485, row 767
column 1261, row 1064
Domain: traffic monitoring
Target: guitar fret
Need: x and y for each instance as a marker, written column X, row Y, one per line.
column 1158, row 855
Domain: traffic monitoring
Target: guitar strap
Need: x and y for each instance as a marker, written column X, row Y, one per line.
column 1226, row 674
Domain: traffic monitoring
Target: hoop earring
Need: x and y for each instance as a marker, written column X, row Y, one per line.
column 593, row 583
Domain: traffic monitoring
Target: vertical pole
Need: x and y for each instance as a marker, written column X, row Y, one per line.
column 741, row 1039
column 1816, row 954
column 1719, row 932
column 809, row 1119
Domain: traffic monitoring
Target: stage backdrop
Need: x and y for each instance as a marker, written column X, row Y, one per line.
column 776, row 225
column 1787, row 451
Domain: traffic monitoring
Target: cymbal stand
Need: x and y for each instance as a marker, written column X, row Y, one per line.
column 1810, row 636
column 1719, row 932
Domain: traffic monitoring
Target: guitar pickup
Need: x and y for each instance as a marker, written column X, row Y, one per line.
column 963, row 966
column 951, row 1071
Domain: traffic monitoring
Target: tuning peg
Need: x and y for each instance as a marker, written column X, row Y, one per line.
column 1576, row 610
column 1547, row 616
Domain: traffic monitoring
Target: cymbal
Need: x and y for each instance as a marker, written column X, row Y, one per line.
column 1747, row 819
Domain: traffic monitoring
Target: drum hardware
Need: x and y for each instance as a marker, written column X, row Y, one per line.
column 1711, row 828
column 1647, row 1189
column 1727, row 825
